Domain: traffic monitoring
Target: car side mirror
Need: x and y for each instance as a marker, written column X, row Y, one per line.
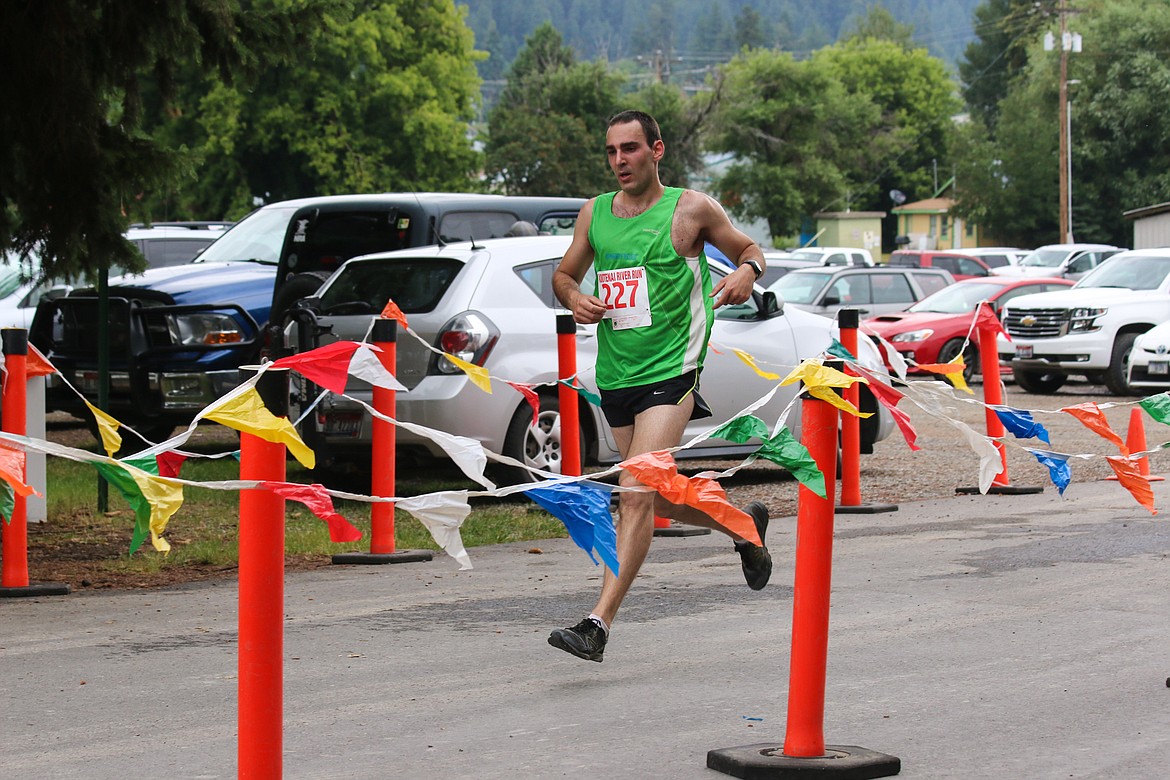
column 772, row 304
column 831, row 300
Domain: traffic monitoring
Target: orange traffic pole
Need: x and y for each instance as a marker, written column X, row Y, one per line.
column 567, row 396
column 14, row 579
column 804, row 751
column 848, row 321
column 383, row 457
column 261, row 612
column 993, row 396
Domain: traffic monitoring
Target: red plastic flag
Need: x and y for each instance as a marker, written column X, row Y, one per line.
column 12, row 465
column 985, row 319
column 1130, row 476
column 392, row 312
column 529, row 395
column 169, row 463
column 1094, row 419
column 658, row 470
column 328, row 366
column 37, row 364
column 320, row 503
column 889, row 397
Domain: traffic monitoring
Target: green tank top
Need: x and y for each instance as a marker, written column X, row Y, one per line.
column 637, row 268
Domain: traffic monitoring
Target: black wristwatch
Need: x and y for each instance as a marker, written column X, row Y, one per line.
column 755, row 267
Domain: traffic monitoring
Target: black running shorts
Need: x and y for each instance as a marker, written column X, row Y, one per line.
column 622, row 405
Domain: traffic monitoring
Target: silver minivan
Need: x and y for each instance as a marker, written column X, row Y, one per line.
column 871, row 291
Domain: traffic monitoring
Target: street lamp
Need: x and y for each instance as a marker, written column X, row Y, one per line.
column 1068, row 157
column 1068, row 42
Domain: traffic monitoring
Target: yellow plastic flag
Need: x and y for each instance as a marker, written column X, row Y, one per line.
column 820, row 380
column 164, row 498
column 108, row 428
column 247, row 413
column 957, row 378
column 477, row 374
column 751, row 361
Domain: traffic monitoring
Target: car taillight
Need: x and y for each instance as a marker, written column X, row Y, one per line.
column 469, row 336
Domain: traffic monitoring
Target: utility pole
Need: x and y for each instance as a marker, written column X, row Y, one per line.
column 1067, row 42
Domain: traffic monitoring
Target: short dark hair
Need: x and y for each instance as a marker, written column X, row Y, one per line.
column 648, row 123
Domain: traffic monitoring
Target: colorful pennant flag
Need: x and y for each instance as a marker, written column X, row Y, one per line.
column 1057, row 465
column 391, row 312
column 531, row 397
column 1020, row 424
column 366, row 365
column 477, row 374
column 820, row 380
column 584, row 509
column 37, row 364
column 247, row 413
column 1158, row 407
column 12, row 471
column 1129, row 475
column 751, row 361
column 108, row 429
column 742, row 429
column 1094, row 419
column 985, row 319
column 7, row 502
column 784, row 450
column 837, row 349
column 320, row 503
column 442, row 514
column 888, row 397
column 592, row 398
column 327, row 366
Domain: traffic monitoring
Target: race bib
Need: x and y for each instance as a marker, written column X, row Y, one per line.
column 626, row 299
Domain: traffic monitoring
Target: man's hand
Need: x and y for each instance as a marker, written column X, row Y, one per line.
column 735, row 287
column 587, row 310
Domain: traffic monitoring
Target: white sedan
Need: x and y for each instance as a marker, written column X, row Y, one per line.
column 491, row 303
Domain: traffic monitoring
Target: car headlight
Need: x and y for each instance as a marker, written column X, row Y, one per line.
column 203, row 328
column 1084, row 319
column 912, row 335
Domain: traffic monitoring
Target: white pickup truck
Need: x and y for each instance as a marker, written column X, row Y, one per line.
column 1090, row 328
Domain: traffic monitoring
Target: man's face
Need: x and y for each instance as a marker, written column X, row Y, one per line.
column 632, row 160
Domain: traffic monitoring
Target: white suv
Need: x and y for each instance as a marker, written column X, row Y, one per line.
column 1071, row 261
column 834, row 255
column 1089, row 329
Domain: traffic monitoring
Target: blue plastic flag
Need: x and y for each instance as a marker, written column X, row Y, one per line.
column 1020, row 424
column 837, row 349
column 584, row 509
column 1058, row 468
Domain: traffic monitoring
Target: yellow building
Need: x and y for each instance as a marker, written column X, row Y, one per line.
column 928, row 225
column 861, row 229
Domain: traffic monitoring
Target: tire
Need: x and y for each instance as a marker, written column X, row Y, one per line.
column 538, row 446
column 1038, row 382
column 294, row 288
column 1117, row 375
column 970, row 356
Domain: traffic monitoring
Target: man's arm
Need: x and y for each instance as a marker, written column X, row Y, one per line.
column 715, row 227
column 566, row 282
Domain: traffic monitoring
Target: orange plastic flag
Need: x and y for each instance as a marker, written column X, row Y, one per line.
column 1130, row 477
column 37, row 364
column 658, row 470
column 1094, row 419
column 328, row 366
column 12, row 465
column 246, row 412
column 392, row 312
column 108, row 428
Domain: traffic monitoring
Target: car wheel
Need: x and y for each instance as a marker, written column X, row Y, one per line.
column 1117, row 375
column 1038, row 381
column 970, row 356
column 537, row 446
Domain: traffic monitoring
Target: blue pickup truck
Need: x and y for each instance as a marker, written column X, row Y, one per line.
column 178, row 335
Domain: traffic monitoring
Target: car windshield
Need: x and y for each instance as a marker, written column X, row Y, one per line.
column 1133, row 272
column 800, row 287
column 257, row 238
column 414, row 284
column 957, row 298
column 1045, row 258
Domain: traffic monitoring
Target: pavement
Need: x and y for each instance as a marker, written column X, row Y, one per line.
column 971, row 637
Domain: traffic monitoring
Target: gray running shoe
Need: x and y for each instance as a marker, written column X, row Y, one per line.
column 584, row 640
column 756, row 561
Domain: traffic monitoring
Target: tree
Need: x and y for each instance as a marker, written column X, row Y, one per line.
column 797, row 136
column 380, row 99
column 73, row 157
column 547, row 133
column 878, row 23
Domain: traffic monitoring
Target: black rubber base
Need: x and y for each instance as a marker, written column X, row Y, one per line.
column 35, row 589
column 678, row 529
column 402, row 556
column 1003, row 490
column 864, row 509
column 767, row 761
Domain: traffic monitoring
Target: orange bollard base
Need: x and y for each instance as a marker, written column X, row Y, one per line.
column 863, row 509
column 767, row 761
column 664, row 526
column 401, row 556
column 35, row 589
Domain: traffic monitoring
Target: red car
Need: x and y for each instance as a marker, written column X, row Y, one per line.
column 933, row 330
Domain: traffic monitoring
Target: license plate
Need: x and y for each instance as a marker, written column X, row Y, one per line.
column 343, row 424
column 1023, row 350
column 1159, row 368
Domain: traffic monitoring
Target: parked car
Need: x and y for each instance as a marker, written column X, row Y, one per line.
column 996, row 256
column 492, row 304
column 1089, row 329
column 178, row 335
column 776, row 263
column 1071, row 261
column 934, row 329
column 163, row 244
column 1149, row 363
column 869, row 290
column 834, row 255
column 959, row 265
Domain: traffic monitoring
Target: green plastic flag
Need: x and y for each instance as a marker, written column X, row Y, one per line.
column 149, row 464
column 581, row 391
column 7, row 501
column 837, row 349
column 121, row 479
column 1158, row 407
column 784, row 450
column 743, row 428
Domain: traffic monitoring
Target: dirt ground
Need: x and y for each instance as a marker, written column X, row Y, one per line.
column 77, row 550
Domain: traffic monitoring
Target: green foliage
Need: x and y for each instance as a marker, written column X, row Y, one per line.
column 797, row 135
column 73, row 157
column 1005, row 30
column 880, row 24
column 376, row 100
